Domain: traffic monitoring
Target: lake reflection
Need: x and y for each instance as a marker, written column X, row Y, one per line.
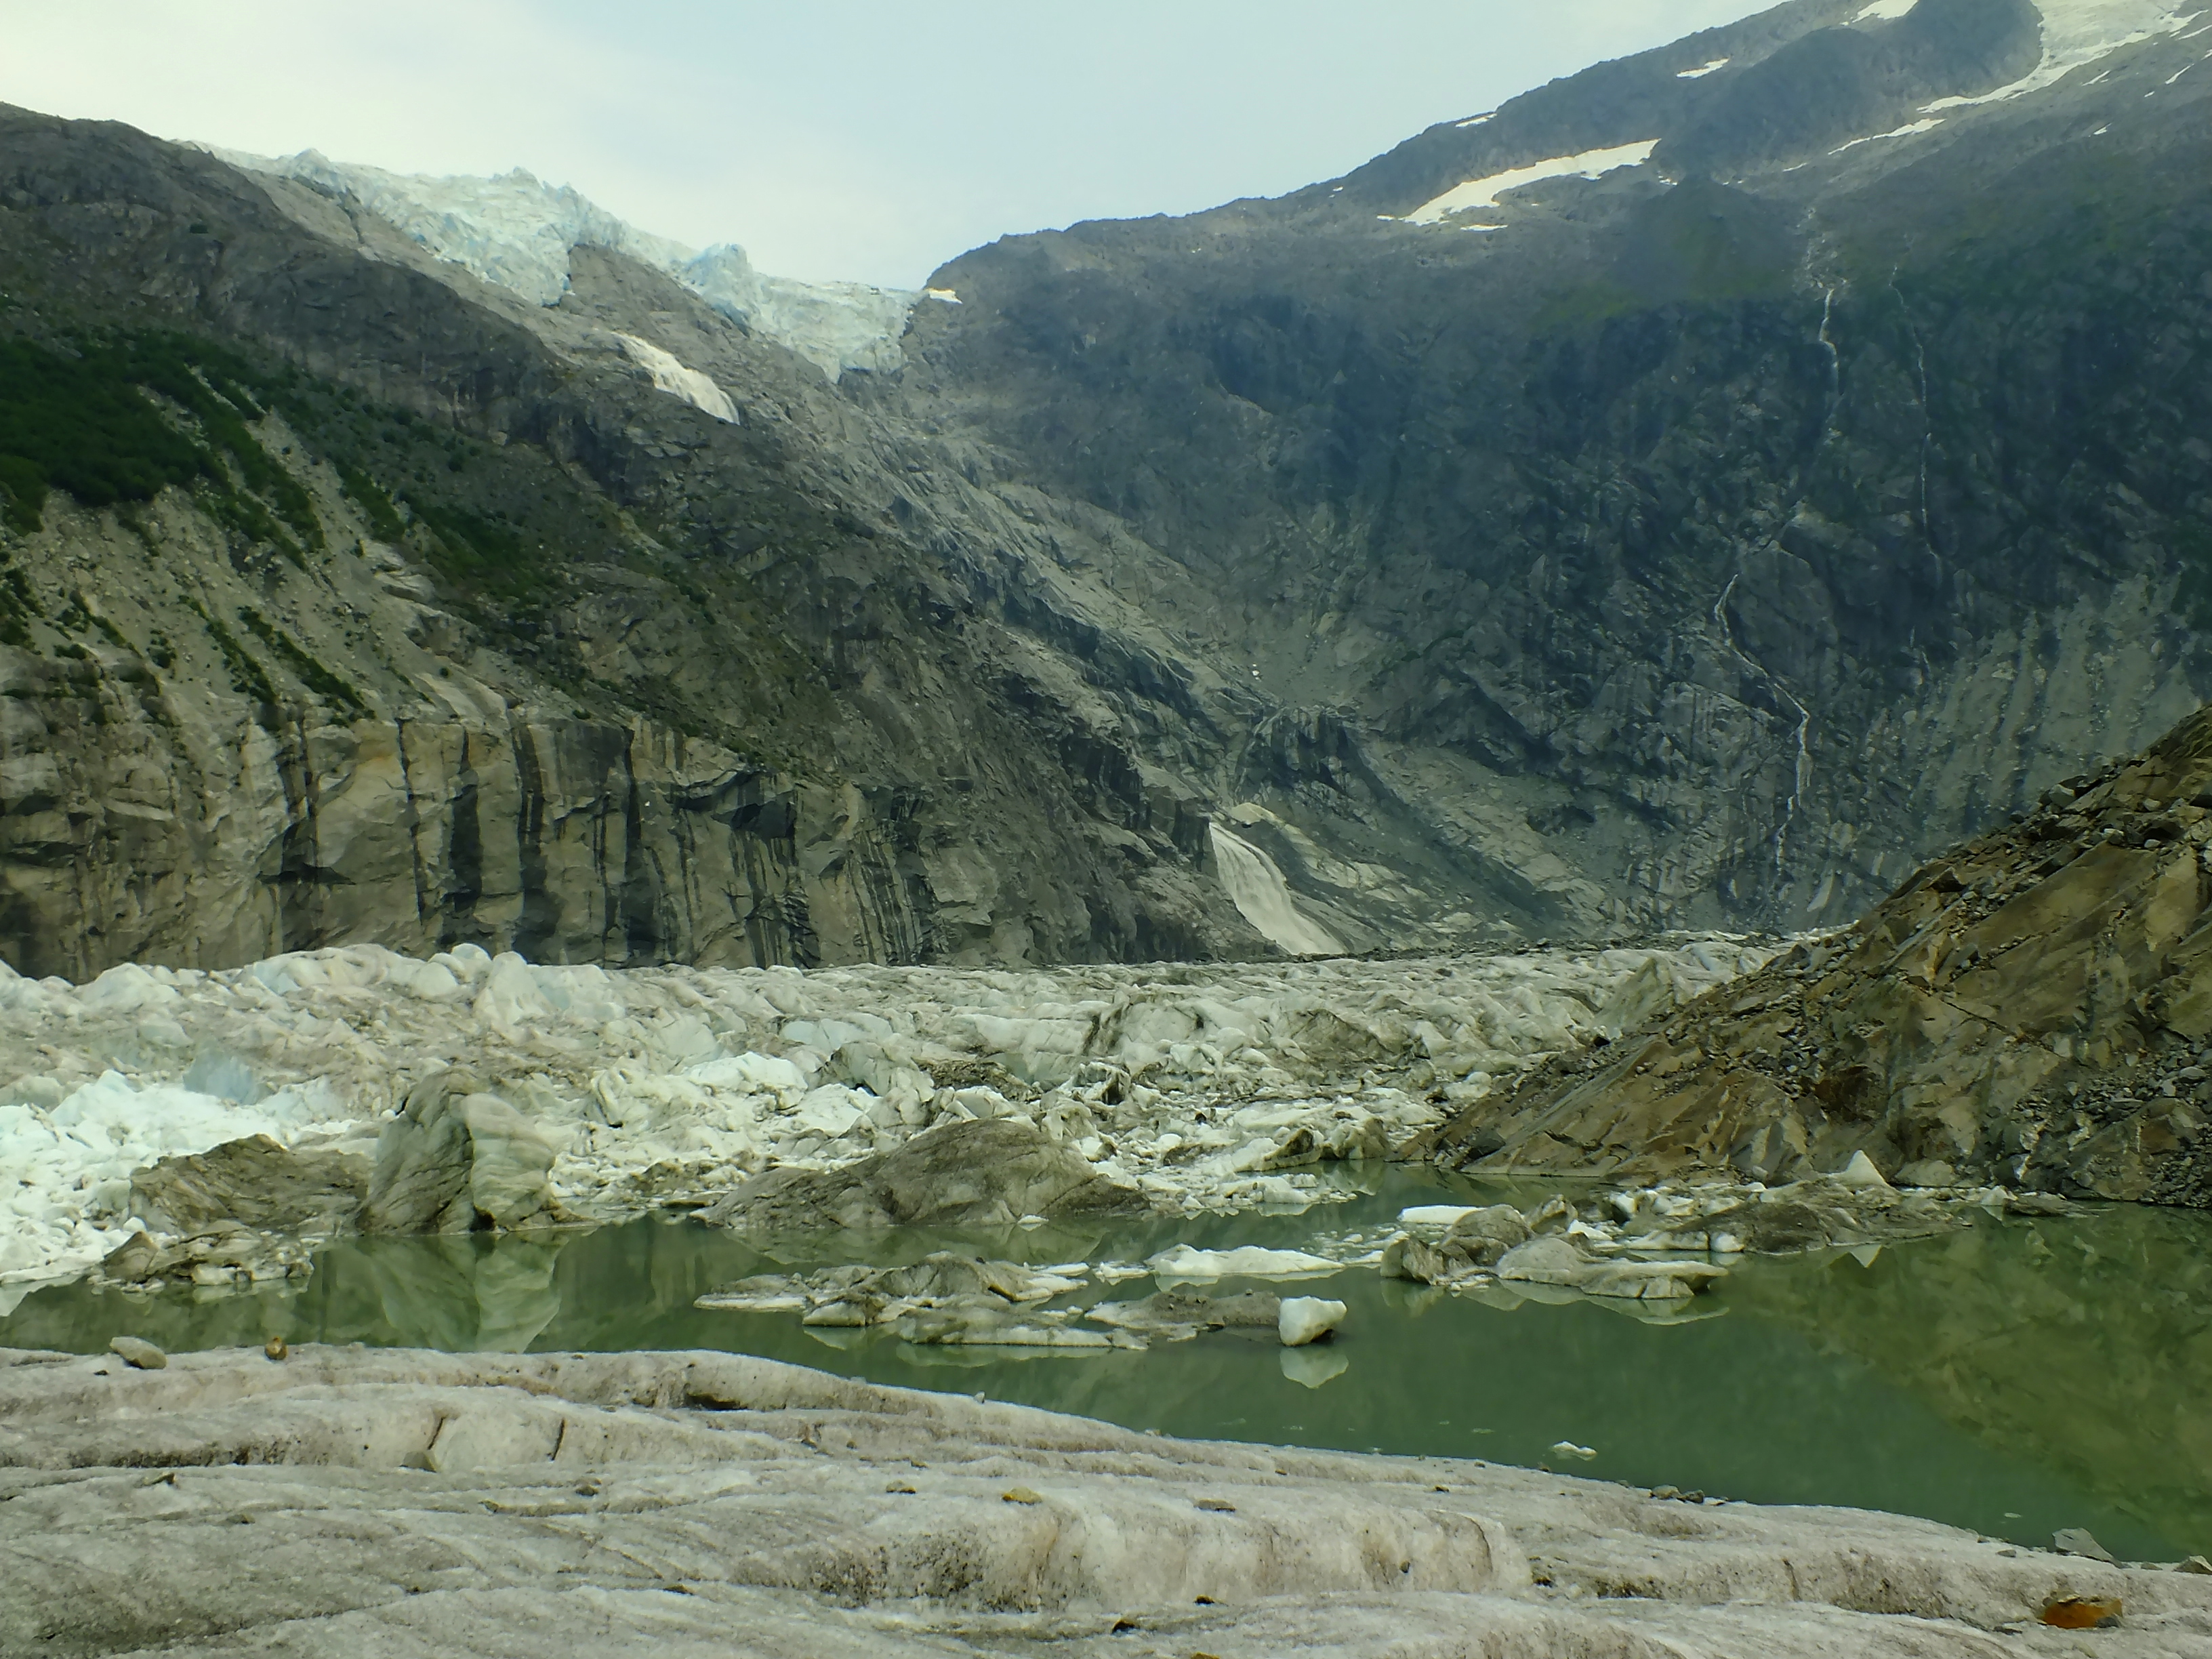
column 2016, row 1378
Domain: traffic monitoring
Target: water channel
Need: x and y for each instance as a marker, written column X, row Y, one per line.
column 2016, row 1377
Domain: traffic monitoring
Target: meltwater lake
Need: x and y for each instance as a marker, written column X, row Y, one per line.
column 2016, row 1377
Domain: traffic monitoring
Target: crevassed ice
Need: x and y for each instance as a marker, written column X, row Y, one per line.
column 1205, row 1084
column 1484, row 193
column 679, row 379
column 516, row 231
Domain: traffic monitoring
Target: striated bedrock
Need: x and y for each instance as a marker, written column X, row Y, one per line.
column 431, row 618
column 2033, row 1007
column 342, row 1501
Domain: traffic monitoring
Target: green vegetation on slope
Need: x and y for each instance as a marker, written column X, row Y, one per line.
column 83, row 424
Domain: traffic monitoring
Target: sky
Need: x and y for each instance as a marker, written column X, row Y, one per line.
column 835, row 139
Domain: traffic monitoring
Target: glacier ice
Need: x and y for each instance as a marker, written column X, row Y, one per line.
column 516, row 231
column 1209, row 1085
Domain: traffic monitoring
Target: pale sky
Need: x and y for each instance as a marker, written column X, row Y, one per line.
column 858, row 139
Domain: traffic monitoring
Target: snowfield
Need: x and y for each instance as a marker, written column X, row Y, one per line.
column 1205, row 1084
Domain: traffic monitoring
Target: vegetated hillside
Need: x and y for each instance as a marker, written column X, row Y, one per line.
column 1708, row 540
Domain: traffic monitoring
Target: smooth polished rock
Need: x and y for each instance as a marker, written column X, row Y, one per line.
column 358, row 1502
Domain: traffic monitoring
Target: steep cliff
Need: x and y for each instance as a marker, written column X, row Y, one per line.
column 1704, row 485
column 345, row 597
column 1683, row 497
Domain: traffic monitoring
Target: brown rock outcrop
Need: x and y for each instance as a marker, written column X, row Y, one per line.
column 2033, row 1007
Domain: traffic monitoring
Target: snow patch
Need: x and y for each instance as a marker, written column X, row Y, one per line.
column 516, row 231
column 1484, row 193
column 1476, row 120
column 1926, row 123
column 1257, row 889
column 2076, row 33
column 677, row 380
column 1882, row 10
column 1702, row 70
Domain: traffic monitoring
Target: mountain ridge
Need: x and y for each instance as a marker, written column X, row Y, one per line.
column 1681, row 552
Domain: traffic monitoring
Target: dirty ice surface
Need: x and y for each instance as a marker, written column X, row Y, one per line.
column 1207, row 1085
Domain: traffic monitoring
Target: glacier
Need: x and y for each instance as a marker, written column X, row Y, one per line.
column 516, row 231
column 1208, row 1085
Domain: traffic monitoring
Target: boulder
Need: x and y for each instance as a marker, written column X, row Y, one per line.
column 1473, row 1240
column 139, row 1354
column 989, row 1172
column 456, row 1158
column 254, row 1181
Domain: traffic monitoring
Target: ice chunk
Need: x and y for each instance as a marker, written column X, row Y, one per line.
column 1246, row 1262
column 831, row 1111
column 1306, row 1319
column 750, row 1071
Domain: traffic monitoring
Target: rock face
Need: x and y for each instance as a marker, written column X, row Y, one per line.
column 1673, row 546
column 383, row 1502
column 458, row 1158
column 256, row 1182
column 1700, row 544
column 990, row 1173
column 2033, row 1007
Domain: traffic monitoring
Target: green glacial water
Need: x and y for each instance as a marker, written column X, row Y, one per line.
column 2017, row 1377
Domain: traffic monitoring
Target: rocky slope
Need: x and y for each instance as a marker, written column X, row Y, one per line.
column 2031, row 1008
column 1684, row 495
column 1706, row 536
column 348, row 596
column 407, row 1502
